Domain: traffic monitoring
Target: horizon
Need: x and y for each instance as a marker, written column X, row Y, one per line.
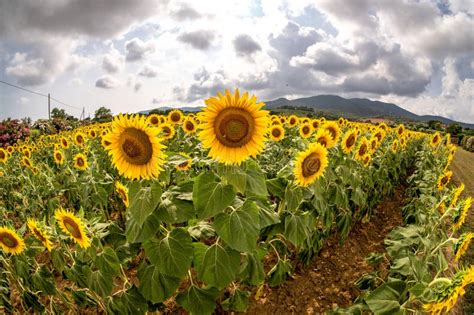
column 132, row 57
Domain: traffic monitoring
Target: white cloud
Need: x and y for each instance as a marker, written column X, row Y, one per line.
column 148, row 71
column 136, row 49
column 107, row 82
column 113, row 62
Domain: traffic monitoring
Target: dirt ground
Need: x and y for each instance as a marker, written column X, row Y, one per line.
column 329, row 281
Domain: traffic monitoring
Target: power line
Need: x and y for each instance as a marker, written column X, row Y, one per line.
column 40, row 94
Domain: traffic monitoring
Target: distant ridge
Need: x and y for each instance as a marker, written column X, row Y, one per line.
column 359, row 108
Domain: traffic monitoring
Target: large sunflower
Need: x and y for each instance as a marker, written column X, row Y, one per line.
column 349, row 141
column 362, row 149
column 400, row 130
column 233, row 127
column 153, row 120
column 277, row 133
column 462, row 245
column 79, row 138
column 40, row 234
column 72, row 226
column 123, row 192
column 461, row 214
column 10, row 241
column 64, row 143
column 333, row 128
column 444, row 179
column 135, row 148
column 3, row 156
column 167, row 131
column 292, row 121
column 435, row 140
column 80, row 162
column 175, row 117
column 315, row 123
column 310, row 164
column 306, row 130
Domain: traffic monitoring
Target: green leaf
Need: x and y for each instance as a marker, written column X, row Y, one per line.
column 267, row 217
column 254, row 272
column 220, row 266
column 210, row 196
column 107, row 262
column 43, row 281
column 239, row 229
column 173, row 254
column 237, row 302
column 58, row 260
column 173, row 210
column 276, row 186
column 129, row 302
column 385, row 299
column 277, row 275
column 136, row 233
column 199, row 251
column 256, row 185
column 235, row 176
column 296, row 229
column 144, row 202
column 155, row 286
column 293, row 197
column 101, row 283
column 198, row 301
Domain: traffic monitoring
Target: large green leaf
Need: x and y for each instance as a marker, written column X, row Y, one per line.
column 173, row 254
column 210, row 196
column 240, row 228
column 143, row 202
column 173, row 210
column 198, row 301
column 277, row 275
column 238, row 302
column 155, row 286
column 108, row 262
column 136, row 233
column 256, row 185
column 220, row 266
column 267, row 217
column 386, row 298
column 129, row 302
column 297, row 228
column 254, row 273
column 293, row 197
column 100, row 282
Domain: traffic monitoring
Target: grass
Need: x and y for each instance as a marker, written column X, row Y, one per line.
column 463, row 169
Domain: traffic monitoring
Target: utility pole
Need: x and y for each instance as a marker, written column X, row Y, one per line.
column 49, row 106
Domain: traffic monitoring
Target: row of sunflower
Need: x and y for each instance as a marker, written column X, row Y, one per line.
column 187, row 207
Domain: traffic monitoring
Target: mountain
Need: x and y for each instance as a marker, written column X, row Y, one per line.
column 355, row 108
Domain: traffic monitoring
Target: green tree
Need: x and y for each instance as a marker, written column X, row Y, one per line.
column 434, row 124
column 454, row 129
column 58, row 113
column 103, row 114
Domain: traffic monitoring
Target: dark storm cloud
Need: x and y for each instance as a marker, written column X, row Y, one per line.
column 201, row 39
column 245, row 45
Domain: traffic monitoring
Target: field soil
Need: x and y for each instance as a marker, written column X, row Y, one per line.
column 329, row 281
column 463, row 172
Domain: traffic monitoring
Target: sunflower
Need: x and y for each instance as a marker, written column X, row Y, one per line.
column 315, row 123
column 348, row 141
column 35, row 170
column 400, row 130
column 167, row 131
column 310, row 164
column 462, row 245
column 444, row 179
column 275, row 122
column 380, row 135
column 189, row 125
column 457, row 192
column 435, row 140
column 105, row 143
column 292, row 121
column 10, row 149
column 461, row 214
column 58, row 157
column 64, row 143
column 305, row 130
column 282, row 119
column 366, row 159
column 333, row 128
column 40, row 234
column 403, row 142
column 186, row 164
column 79, row 138
column 394, row 146
column 277, row 133
column 123, row 192
column 374, row 142
column 175, row 117
column 362, row 149
column 72, row 226
column 324, row 138
column 80, row 162
column 135, row 148
column 3, row 155
column 153, row 120
column 10, row 241
column 92, row 133
column 27, row 153
column 447, row 139
column 26, row 162
column 233, row 127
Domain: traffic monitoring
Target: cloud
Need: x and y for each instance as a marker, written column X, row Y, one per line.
column 245, row 45
column 107, row 82
column 113, row 62
column 185, row 12
column 137, row 86
column 201, row 39
column 136, row 49
column 148, row 71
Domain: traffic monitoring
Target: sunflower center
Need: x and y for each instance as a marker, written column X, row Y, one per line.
column 184, row 164
column 122, row 194
column 154, row 121
column 27, row 162
column 2, row 155
column 362, row 149
column 80, row 162
column 175, row 117
column 332, row 132
column 72, row 227
column 166, row 131
column 315, row 124
column 323, row 141
column 234, row 127
column 444, row 180
column 8, row 240
column 58, row 156
column 276, row 132
column 136, row 146
column 292, row 121
column 311, row 165
column 305, row 130
column 378, row 136
column 39, row 235
column 189, row 126
column 350, row 141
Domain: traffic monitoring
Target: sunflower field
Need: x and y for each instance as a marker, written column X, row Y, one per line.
column 189, row 213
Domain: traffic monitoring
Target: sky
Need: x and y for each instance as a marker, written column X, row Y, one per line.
column 137, row 55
